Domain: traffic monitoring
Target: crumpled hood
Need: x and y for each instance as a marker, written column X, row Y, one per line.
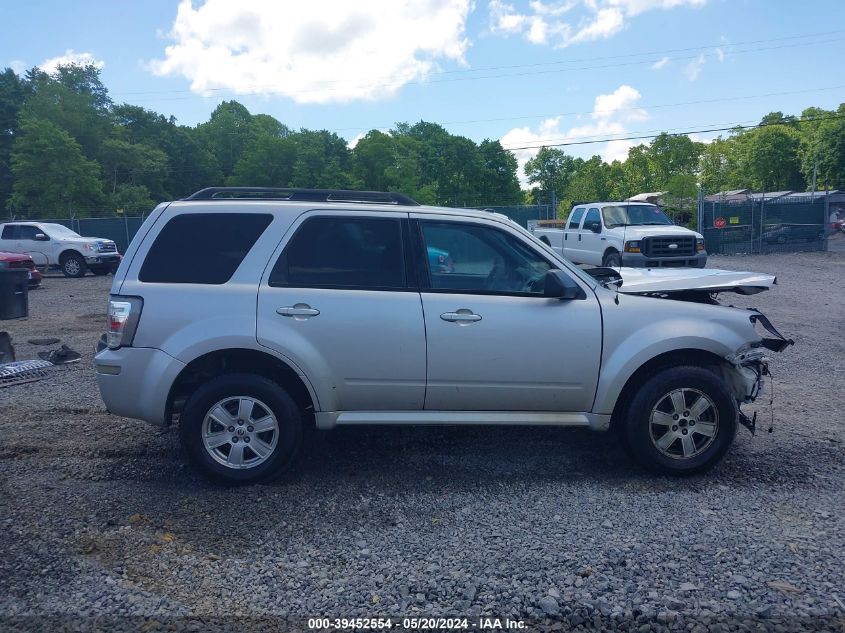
column 668, row 280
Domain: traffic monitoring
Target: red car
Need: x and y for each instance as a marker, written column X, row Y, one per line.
column 18, row 260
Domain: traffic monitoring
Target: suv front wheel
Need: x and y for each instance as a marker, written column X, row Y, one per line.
column 241, row 429
column 681, row 421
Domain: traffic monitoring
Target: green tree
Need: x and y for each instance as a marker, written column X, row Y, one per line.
column 227, row 133
column 52, row 176
column 322, row 160
column 266, row 162
column 75, row 99
column 718, row 167
column 550, row 170
column 131, row 199
column 673, row 155
column 13, row 92
column 126, row 163
column 769, row 158
column 499, row 182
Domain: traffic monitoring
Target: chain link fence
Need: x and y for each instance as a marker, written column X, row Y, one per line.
column 522, row 213
column 120, row 230
column 759, row 225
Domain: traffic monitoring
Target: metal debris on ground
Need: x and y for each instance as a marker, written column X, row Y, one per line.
column 7, row 351
column 50, row 340
column 22, row 371
column 62, row 356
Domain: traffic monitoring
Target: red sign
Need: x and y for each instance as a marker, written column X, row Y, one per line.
column 720, row 223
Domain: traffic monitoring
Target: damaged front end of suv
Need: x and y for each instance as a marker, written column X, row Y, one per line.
column 745, row 370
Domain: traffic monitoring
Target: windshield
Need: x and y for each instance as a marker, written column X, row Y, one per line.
column 633, row 215
column 60, row 230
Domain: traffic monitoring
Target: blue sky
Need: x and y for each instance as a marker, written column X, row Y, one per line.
column 525, row 72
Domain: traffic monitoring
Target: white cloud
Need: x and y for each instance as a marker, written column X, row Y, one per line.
column 660, row 63
column 313, row 52
column 610, row 116
column 635, row 7
column 563, row 23
column 693, row 69
column 69, row 58
column 354, row 141
column 18, row 66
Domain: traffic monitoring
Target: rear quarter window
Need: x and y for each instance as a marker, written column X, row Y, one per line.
column 202, row 248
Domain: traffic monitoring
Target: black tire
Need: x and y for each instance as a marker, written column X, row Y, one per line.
column 73, row 265
column 612, row 259
column 278, row 402
column 641, row 435
column 100, row 271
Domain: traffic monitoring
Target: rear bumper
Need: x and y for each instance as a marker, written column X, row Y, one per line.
column 638, row 260
column 135, row 382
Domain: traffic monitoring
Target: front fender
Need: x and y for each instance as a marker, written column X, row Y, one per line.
column 635, row 333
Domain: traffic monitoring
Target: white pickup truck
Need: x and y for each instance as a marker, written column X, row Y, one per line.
column 56, row 246
column 615, row 234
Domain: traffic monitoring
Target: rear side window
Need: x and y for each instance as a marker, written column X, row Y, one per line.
column 9, row 232
column 575, row 218
column 343, row 252
column 202, row 248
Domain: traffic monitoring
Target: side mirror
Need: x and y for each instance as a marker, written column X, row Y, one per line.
column 40, row 237
column 558, row 285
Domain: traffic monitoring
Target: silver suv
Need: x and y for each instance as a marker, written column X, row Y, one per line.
column 244, row 315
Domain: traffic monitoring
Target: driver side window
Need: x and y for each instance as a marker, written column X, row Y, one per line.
column 480, row 259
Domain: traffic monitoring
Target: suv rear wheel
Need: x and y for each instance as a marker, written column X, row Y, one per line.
column 682, row 421
column 241, row 429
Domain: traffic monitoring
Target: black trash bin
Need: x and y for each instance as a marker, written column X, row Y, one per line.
column 14, row 300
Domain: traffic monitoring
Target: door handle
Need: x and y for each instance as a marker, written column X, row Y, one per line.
column 299, row 310
column 579, row 237
column 603, row 239
column 460, row 316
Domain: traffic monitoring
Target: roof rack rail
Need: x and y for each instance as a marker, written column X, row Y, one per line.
column 302, row 195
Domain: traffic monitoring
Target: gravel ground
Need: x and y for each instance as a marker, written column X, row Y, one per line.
column 105, row 529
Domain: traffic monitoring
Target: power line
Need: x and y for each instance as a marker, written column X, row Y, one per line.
column 326, row 85
column 537, row 64
column 647, row 136
column 613, row 110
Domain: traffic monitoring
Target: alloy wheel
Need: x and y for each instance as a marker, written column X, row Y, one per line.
column 684, row 423
column 240, row 432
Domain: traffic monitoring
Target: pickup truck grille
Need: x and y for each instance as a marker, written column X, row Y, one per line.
column 106, row 248
column 662, row 246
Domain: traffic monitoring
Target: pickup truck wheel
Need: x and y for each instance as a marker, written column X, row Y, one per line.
column 241, row 429
column 682, row 421
column 73, row 265
column 612, row 260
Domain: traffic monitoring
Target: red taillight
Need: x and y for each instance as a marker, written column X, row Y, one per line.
column 122, row 320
